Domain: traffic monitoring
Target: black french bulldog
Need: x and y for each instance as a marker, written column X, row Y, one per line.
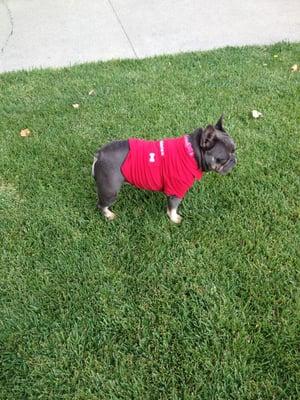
column 168, row 165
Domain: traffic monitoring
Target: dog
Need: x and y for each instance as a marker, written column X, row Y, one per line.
column 169, row 165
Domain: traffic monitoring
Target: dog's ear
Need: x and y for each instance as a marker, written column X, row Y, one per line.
column 208, row 137
column 219, row 124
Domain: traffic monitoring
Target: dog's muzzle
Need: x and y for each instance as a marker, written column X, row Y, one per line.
column 227, row 167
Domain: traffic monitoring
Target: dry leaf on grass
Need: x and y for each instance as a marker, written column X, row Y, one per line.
column 256, row 114
column 92, row 92
column 75, row 105
column 295, row 68
column 25, row 132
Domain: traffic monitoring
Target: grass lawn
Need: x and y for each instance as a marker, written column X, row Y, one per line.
column 139, row 308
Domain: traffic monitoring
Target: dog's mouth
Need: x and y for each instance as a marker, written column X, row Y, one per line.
column 227, row 167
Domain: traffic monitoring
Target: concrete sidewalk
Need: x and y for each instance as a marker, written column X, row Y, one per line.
column 54, row 33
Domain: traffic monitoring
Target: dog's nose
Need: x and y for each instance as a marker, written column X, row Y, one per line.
column 233, row 159
column 231, row 163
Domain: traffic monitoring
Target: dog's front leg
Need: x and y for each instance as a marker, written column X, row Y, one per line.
column 173, row 203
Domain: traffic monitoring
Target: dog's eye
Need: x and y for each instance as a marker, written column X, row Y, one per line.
column 220, row 160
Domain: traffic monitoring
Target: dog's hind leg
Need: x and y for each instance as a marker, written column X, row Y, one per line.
column 108, row 187
column 107, row 173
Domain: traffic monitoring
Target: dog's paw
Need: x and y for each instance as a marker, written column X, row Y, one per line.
column 109, row 214
column 174, row 217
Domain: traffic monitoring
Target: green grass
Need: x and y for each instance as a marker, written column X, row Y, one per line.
column 140, row 308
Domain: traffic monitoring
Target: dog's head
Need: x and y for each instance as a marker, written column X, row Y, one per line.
column 217, row 149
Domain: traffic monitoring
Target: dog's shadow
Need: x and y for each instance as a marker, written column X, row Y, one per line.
column 138, row 202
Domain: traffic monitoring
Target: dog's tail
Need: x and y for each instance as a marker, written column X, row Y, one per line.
column 93, row 166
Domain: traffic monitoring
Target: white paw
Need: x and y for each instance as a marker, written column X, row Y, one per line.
column 111, row 216
column 174, row 217
column 108, row 214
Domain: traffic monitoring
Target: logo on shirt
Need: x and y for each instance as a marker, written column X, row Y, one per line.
column 161, row 146
column 152, row 157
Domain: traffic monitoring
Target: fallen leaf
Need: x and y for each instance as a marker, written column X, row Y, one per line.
column 25, row 132
column 75, row 105
column 92, row 92
column 275, row 56
column 256, row 114
column 295, row 68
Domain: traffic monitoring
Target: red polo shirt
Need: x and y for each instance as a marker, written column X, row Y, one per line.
column 166, row 165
